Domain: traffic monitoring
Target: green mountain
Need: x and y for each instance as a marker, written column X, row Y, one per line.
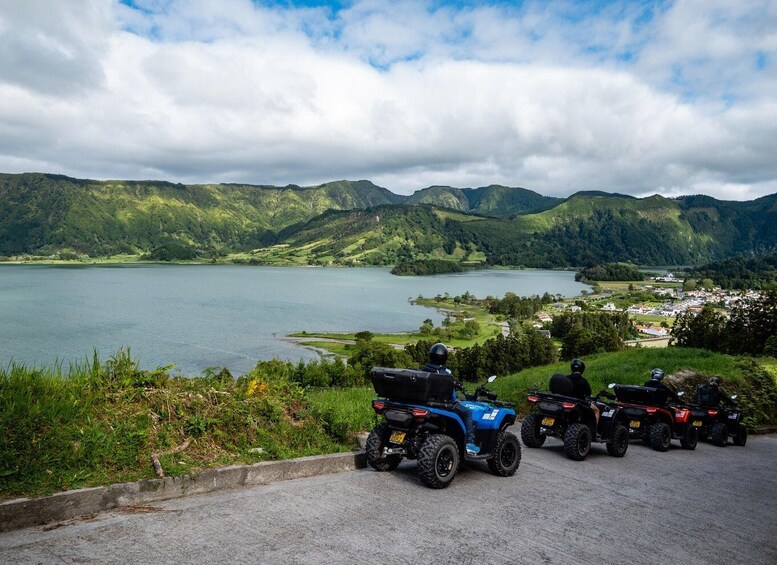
column 590, row 228
column 585, row 229
column 42, row 213
column 348, row 223
column 494, row 200
column 741, row 272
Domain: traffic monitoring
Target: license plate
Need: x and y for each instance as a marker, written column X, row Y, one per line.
column 548, row 421
column 397, row 437
column 697, row 423
column 635, row 423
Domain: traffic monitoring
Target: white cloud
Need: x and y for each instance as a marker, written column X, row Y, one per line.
column 542, row 97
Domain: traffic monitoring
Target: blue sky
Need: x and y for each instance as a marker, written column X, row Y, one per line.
column 639, row 97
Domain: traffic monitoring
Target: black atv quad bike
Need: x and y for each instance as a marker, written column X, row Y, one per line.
column 718, row 423
column 572, row 420
column 654, row 419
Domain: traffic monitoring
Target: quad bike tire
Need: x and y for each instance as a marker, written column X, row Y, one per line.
column 690, row 437
column 620, row 441
column 530, row 431
column 660, row 436
column 577, row 441
column 507, row 455
column 719, row 434
column 741, row 438
column 438, row 461
column 374, row 450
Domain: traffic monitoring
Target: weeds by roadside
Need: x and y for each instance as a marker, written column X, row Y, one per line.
column 100, row 422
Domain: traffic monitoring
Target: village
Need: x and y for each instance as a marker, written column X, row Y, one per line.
column 653, row 318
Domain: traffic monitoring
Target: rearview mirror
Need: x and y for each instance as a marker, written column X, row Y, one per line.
column 492, row 378
column 611, row 385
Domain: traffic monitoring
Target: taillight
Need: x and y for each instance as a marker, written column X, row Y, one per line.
column 651, row 410
column 533, row 399
column 379, row 406
column 419, row 414
column 712, row 412
column 681, row 415
column 568, row 405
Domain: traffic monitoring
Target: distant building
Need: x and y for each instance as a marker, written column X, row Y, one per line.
column 653, row 331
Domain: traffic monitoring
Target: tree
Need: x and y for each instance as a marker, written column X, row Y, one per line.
column 704, row 330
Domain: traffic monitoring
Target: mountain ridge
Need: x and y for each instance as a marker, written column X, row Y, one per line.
column 340, row 223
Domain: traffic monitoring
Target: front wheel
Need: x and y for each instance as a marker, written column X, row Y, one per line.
column 741, row 438
column 577, row 441
column 530, row 431
column 507, row 455
column 620, row 441
column 438, row 461
column 690, row 437
column 374, row 449
column 719, row 434
column 660, row 436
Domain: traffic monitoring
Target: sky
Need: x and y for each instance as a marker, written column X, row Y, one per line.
column 639, row 97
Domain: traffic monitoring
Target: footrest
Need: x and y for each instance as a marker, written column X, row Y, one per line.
column 479, row 457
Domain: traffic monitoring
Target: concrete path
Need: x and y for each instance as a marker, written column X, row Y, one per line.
column 711, row 505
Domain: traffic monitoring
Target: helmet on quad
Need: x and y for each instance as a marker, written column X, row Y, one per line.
column 714, row 381
column 438, row 354
column 657, row 374
column 577, row 366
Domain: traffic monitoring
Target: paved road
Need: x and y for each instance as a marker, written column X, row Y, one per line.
column 712, row 505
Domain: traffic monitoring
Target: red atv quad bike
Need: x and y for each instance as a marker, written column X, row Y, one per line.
column 653, row 417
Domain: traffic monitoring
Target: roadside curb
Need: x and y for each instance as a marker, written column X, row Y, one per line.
column 25, row 512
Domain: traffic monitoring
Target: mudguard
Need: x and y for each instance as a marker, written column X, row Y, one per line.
column 486, row 416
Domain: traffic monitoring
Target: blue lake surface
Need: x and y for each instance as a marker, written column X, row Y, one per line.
column 198, row 316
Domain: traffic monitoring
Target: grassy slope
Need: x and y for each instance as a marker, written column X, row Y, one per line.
column 98, row 424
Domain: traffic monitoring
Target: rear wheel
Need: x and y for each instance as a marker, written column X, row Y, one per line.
column 660, row 436
column 577, row 441
column 690, row 437
column 530, row 431
column 438, row 461
column 741, row 438
column 719, row 434
column 646, row 434
column 507, row 455
column 620, row 441
column 374, row 450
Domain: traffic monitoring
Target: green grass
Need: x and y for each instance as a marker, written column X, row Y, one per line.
column 344, row 410
column 342, row 349
column 99, row 423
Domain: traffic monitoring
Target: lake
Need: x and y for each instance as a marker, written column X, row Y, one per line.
column 198, row 316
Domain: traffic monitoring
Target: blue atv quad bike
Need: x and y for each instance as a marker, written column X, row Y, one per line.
column 418, row 423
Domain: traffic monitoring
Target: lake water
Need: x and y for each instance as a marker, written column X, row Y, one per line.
column 198, row 316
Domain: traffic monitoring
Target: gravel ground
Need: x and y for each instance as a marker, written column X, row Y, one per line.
column 710, row 505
